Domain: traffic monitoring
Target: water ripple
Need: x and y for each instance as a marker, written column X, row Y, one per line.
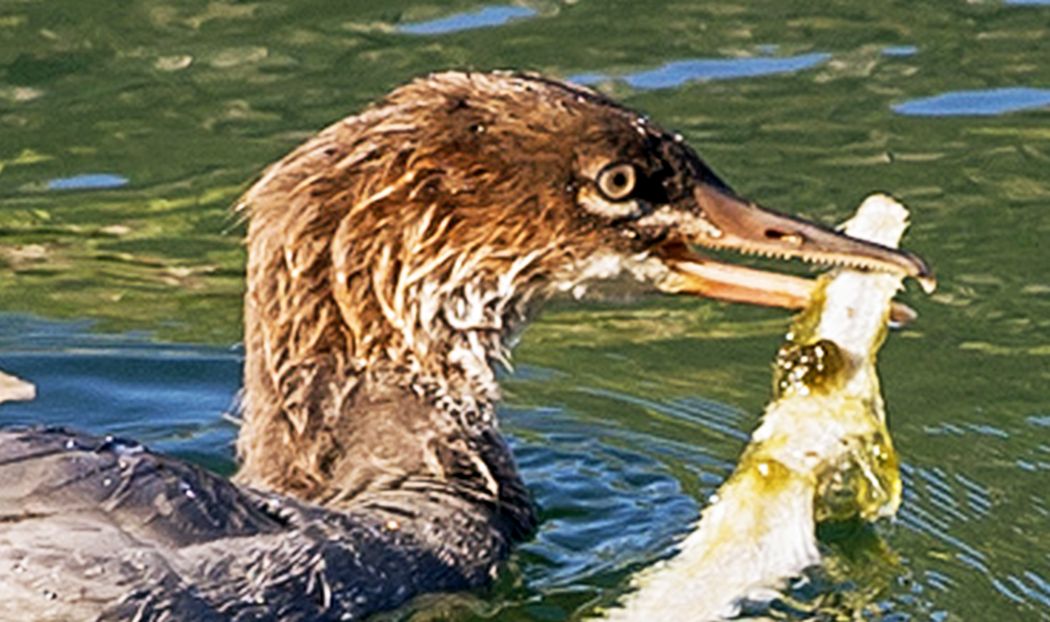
column 900, row 50
column 486, row 17
column 676, row 73
column 984, row 102
column 88, row 181
column 170, row 396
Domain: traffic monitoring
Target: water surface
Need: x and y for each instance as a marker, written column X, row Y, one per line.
column 677, row 73
column 484, row 17
column 989, row 102
column 129, row 130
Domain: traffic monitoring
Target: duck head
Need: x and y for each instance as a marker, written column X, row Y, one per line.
column 411, row 241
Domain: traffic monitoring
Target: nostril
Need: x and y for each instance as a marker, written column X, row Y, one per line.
column 785, row 237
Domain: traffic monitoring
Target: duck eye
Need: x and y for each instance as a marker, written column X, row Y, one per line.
column 616, row 181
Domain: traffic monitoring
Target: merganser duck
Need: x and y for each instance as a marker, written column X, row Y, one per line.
column 392, row 259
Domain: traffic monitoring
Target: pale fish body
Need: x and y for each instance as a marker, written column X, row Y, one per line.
column 822, row 451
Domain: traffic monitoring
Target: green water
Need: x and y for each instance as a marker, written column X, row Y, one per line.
column 624, row 414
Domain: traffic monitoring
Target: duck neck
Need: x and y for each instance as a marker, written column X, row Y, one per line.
column 341, row 406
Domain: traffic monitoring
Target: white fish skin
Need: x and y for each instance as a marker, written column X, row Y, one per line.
column 821, row 433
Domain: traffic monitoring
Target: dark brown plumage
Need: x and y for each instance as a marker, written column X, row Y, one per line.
column 392, row 259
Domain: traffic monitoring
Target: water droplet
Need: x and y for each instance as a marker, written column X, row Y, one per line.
column 187, row 490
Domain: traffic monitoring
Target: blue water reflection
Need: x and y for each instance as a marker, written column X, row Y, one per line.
column 900, row 50
column 483, row 18
column 679, row 72
column 88, row 181
column 977, row 102
column 170, row 396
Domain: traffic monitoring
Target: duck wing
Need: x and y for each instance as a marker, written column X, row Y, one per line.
column 98, row 528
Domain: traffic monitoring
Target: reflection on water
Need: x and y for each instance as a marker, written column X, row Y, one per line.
column 986, row 102
column 900, row 50
column 482, row 18
column 624, row 416
column 87, row 181
column 679, row 72
column 172, row 397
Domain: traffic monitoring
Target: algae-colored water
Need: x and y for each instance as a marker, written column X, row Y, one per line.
column 128, row 128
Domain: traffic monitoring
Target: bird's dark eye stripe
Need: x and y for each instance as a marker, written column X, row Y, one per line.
column 624, row 180
column 650, row 188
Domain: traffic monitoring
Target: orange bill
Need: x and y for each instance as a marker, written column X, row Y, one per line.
column 699, row 276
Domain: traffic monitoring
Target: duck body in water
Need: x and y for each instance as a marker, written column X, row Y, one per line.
column 392, row 260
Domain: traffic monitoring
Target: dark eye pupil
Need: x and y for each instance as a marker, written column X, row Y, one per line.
column 616, row 182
